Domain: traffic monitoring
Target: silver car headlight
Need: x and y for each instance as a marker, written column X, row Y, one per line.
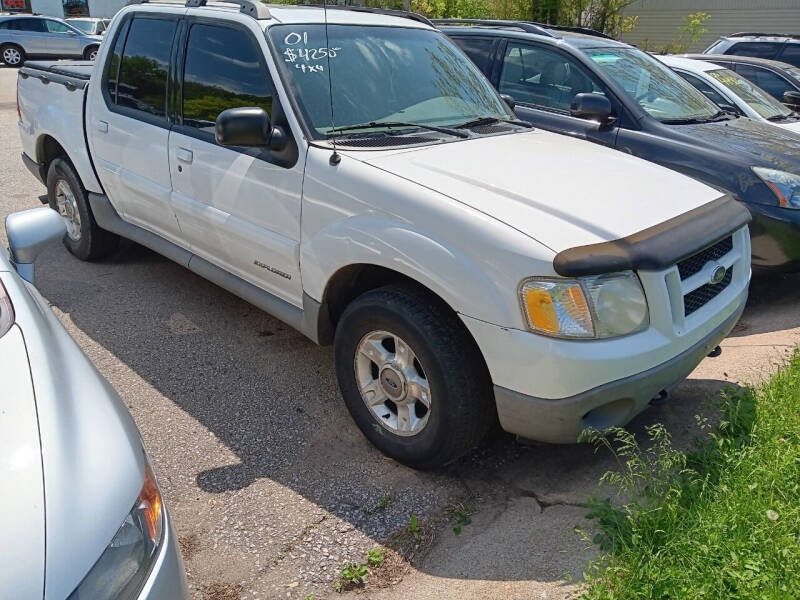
column 600, row 306
column 6, row 311
column 122, row 569
column 786, row 186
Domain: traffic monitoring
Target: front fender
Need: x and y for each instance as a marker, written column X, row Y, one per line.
column 466, row 287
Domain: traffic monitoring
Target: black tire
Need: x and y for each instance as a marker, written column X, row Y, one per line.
column 462, row 406
column 87, row 54
column 17, row 51
column 89, row 242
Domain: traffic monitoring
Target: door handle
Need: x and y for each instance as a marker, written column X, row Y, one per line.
column 184, row 155
column 102, row 126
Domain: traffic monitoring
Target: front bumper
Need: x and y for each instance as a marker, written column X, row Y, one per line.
column 612, row 404
column 167, row 579
column 775, row 235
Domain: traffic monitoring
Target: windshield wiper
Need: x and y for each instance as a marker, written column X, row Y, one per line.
column 782, row 117
column 489, row 120
column 720, row 115
column 396, row 124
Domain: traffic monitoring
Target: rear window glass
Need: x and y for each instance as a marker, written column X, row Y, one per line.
column 758, row 49
column 144, row 65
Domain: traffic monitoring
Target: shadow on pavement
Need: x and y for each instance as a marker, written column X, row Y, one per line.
column 271, row 397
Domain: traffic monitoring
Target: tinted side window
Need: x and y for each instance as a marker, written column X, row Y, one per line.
column 33, row 25
column 541, row 77
column 223, row 70
column 759, row 49
column 791, row 54
column 707, row 90
column 4, row 25
column 144, row 65
column 479, row 50
column 112, row 72
column 768, row 81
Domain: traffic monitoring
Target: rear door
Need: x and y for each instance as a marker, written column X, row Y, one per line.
column 543, row 82
column 238, row 208
column 127, row 122
column 61, row 39
column 31, row 34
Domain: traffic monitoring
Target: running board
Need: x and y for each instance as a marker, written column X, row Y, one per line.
column 312, row 320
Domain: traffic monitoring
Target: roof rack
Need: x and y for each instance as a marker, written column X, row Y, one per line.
column 574, row 29
column 525, row 26
column 757, row 34
column 254, row 8
column 405, row 14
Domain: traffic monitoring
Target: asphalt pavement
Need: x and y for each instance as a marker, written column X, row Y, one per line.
column 271, row 486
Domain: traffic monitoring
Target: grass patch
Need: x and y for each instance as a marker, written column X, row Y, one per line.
column 721, row 520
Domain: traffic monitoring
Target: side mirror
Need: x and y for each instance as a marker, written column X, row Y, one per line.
column 29, row 232
column 248, row 126
column 594, row 107
column 509, row 100
column 792, row 99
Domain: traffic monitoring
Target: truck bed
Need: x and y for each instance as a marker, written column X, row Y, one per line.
column 79, row 69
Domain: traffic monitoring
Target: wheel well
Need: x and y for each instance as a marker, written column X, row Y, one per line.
column 350, row 282
column 48, row 150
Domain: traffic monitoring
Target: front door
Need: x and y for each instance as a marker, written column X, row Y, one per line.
column 62, row 41
column 238, row 208
column 543, row 82
column 127, row 123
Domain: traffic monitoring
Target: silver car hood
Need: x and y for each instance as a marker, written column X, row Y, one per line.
column 92, row 459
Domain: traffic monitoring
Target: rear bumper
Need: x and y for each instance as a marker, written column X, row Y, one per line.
column 36, row 169
column 561, row 421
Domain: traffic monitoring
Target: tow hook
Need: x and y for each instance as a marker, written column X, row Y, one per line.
column 661, row 398
column 715, row 352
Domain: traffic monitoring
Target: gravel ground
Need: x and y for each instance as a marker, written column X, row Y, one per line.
column 271, row 486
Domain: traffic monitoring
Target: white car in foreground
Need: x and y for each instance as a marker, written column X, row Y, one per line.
column 465, row 266
column 728, row 89
column 82, row 517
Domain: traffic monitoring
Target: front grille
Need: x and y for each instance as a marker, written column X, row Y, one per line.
column 695, row 263
column 704, row 294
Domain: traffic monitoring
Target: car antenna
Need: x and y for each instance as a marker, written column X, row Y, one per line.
column 335, row 157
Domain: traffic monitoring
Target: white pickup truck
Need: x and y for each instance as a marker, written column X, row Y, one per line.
column 364, row 183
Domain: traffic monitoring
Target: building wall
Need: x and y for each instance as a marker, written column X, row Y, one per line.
column 97, row 8
column 660, row 20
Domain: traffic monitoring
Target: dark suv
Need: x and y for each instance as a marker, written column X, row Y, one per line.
column 611, row 93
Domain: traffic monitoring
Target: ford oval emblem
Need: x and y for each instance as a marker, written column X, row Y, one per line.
column 718, row 274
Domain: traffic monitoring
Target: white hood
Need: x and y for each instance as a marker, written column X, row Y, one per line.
column 794, row 126
column 561, row 191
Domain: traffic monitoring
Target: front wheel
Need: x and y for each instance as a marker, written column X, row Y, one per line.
column 13, row 55
column 412, row 377
column 90, row 53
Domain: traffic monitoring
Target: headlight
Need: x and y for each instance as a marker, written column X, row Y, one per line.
column 6, row 311
column 122, row 569
column 600, row 306
column 786, row 186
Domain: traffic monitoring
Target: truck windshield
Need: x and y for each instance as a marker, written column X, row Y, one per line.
column 661, row 92
column 391, row 74
column 760, row 101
